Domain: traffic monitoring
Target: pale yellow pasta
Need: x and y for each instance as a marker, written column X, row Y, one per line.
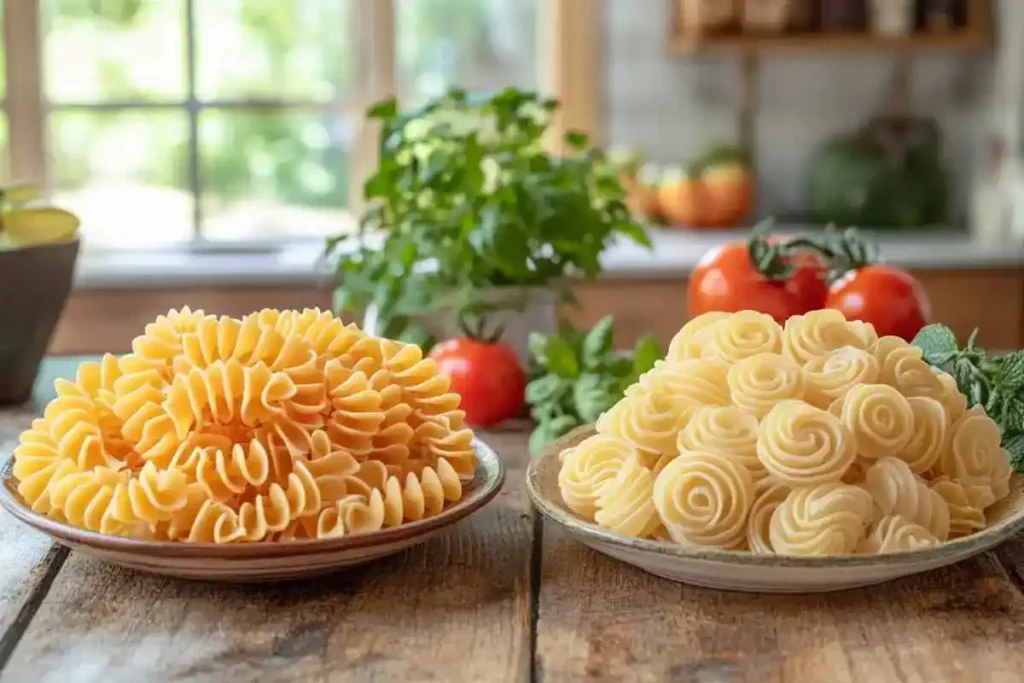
column 769, row 494
column 742, row 335
column 727, row 430
column 801, row 445
column 808, row 336
column 351, row 515
column 690, row 341
column 879, row 417
column 587, row 468
column 828, row 519
column 865, row 332
column 975, row 457
column 896, row 534
column 697, row 382
column 889, row 351
column 898, row 491
column 952, row 400
column 650, row 423
column 966, row 506
column 625, row 504
column 437, row 438
column 758, row 383
column 929, row 437
column 914, row 377
column 416, row 497
column 703, row 498
column 830, row 376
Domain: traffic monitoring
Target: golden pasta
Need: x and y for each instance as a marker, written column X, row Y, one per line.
column 741, row 336
column 830, row 376
column 727, row 430
column 650, row 423
column 758, row 383
column 879, row 417
column 280, row 425
column 801, row 445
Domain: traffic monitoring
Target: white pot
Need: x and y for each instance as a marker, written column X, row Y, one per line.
column 539, row 313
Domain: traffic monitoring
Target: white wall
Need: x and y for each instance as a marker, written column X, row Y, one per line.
column 669, row 107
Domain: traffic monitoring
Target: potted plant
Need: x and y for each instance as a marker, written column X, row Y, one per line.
column 472, row 226
column 38, row 250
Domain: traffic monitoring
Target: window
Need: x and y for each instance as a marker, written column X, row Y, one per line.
column 223, row 123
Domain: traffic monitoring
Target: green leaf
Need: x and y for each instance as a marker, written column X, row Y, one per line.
column 646, row 355
column 594, row 395
column 418, row 335
column 937, row 342
column 386, row 109
column 539, row 438
column 563, row 425
column 1015, row 448
column 576, row 140
column 598, row 342
column 1012, row 415
column 543, row 389
column 562, row 359
column 1011, row 371
column 538, row 345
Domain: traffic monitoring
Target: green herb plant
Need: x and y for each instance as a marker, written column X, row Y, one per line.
column 466, row 199
column 996, row 383
column 576, row 376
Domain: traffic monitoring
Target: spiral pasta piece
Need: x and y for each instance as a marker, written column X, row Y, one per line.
column 703, row 498
column 768, row 495
column 435, row 439
column 889, row 351
column 351, row 515
column 828, row 519
column 966, row 506
column 694, row 381
column 929, row 435
column 896, row 534
column 689, row 342
column 758, row 383
column 727, row 430
column 865, row 332
column 898, row 491
column 625, row 505
column 808, row 336
column 914, row 377
column 649, row 423
column 830, row 376
column 952, row 400
column 801, row 445
column 742, row 335
column 975, row 457
column 390, row 444
column 419, row 496
column 587, row 468
column 355, row 411
column 880, row 419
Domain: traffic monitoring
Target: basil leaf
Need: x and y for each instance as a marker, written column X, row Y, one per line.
column 538, row 345
column 1012, row 415
column 1015, row 448
column 1011, row 371
column 937, row 342
column 543, row 389
column 539, row 438
column 597, row 343
column 561, row 359
column 646, row 355
column 562, row 425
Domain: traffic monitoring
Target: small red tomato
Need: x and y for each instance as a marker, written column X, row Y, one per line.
column 487, row 375
column 726, row 280
column 888, row 298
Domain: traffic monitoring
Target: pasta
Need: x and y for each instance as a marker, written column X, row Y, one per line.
column 277, row 426
column 828, row 519
column 830, row 376
column 727, row 430
column 742, row 335
column 898, row 491
column 587, row 468
column 975, row 457
column 689, row 342
column 650, row 423
column 966, row 506
column 929, row 436
column 801, row 445
column 694, row 382
column 625, row 504
column 703, row 498
column 896, row 534
column 768, row 495
column 806, row 337
column 879, row 417
column 758, row 383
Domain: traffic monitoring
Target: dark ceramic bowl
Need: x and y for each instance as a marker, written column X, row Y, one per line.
column 34, row 285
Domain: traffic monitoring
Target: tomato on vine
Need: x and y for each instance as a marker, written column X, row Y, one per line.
column 487, row 375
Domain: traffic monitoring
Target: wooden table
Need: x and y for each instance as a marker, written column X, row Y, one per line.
column 502, row 596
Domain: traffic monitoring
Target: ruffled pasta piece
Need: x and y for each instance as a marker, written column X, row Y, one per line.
column 424, row 386
column 896, row 534
column 768, row 495
column 625, row 505
column 975, row 457
column 226, row 473
column 828, row 519
column 966, row 511
column 879, row 417
column 435, row 439
column 865, row 332
column 703, row 498
column 161, row 342
column 355, row 410
column 689, row 342
column 697, row 382
column 889, row 351
column 587, row 468
column 390, row 444
column 352, row 515
column 248, row 341
column 758, row 383
column 727, row 430
column 929, row 437
column 808, row 336
column 952, row 400
column 898, row 491
column 73, row 429
column 801, row 445
column 742, row 335
column 830, row 376
column 138, row 403
column 914, row 377
column 419, row 496
column 649, row 423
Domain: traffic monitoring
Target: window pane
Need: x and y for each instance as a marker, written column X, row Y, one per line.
column 474, row 44
column 272, row 174
column 125, row 175
column 114, row 49
column 272, row 49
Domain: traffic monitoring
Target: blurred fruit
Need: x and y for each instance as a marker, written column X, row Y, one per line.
column 716, row 192
column 642, row 192
column 487, row 375
column 37, row 225
column 889, row 298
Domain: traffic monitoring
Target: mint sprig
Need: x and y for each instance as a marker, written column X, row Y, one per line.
column 996, row 383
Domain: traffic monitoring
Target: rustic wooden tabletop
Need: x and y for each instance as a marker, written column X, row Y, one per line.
column 502, row 596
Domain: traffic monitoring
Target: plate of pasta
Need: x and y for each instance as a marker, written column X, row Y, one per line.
column 810, row 456
column 279, row 445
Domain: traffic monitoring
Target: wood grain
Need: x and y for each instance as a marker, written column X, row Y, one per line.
column 602, row 620
column 456, row 608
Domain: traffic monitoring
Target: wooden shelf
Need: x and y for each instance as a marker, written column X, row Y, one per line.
column 747, row 44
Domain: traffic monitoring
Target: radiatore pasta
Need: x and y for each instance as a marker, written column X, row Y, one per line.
column 281, row 425
column 813, row 438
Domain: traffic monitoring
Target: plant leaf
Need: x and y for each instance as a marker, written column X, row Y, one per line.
column 1015, row 447
column 563, row 425
column 539, row 438
column 937, row 342
column 538, row 345
column 646, row 355
column 1011, row 371
column 562, row 359
column 593, row 394
column 543, row 389
column 1012, row 415
column 597, row 343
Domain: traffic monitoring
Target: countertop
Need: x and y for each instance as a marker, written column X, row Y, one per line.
column 674, row 254
column 501, row 596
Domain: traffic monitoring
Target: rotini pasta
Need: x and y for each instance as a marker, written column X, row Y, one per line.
column 828, row 519
column 758, row 383
column 801, row 445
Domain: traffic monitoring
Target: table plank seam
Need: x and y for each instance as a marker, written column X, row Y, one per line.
column 536, row 566
column 54, row 561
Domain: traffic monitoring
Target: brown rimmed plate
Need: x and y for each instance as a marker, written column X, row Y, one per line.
column 747, row 571
column 248, row 562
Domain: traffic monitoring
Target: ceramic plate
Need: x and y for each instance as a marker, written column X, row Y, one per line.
column 259, row 561
column 746, row 571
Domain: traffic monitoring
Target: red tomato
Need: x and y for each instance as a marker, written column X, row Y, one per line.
column 888, row 298
column 726, row 280
column 488, row 377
